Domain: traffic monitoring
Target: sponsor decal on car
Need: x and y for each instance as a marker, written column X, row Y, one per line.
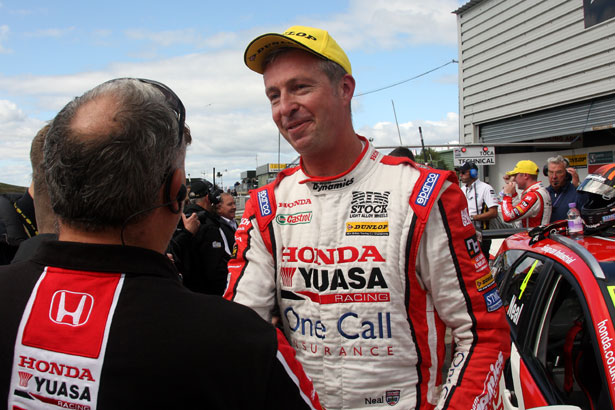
column 559, row 253
column 514, row 310
column 611, row 290
column 607, row 344
column 367, row 228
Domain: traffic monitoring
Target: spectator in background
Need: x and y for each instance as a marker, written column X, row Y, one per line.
column 204, row 258
column 482, row 202
column 563, row 183
column 45, row 218
column 17, row 222
column 533, row 207
column 226, row 210
column 106, row 302
column 402, row 152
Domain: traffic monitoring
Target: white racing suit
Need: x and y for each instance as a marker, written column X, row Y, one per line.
column 367, row 269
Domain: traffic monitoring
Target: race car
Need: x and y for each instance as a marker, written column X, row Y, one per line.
column 560, row 297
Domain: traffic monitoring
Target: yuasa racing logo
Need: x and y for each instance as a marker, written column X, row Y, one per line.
column 330, row 186
column 263, row 203
column 335, row 279
column 70, row 308
column 427, row 189
column 294, row 219
column 70, row 382
column 369, row 204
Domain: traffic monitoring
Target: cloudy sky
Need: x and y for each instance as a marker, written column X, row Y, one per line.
column 401, row 51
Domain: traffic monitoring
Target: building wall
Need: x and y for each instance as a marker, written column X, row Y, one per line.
column 521, row 56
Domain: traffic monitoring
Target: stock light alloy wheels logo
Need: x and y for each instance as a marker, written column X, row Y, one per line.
column 70, row 308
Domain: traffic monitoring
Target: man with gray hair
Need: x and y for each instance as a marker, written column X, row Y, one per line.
column 99, row 318
column 563, row 183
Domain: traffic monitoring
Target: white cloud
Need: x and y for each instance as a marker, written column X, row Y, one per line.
column 390, row 24
column 4, row 35
column 435, row 132
column 228, row 112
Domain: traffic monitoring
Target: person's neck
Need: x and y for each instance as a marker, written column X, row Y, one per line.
column 469, row 184
column 335, row 161
column 149, row 234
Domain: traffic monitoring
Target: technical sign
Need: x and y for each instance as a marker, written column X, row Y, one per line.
column 480, row 155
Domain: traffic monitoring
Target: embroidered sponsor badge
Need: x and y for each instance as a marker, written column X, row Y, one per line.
column 427, row 189
column 263, row 203
column 472, row 246
column 493, row 300
column 367, row 228
column 392, row 397
column 299, row 218
column 465, row 217
column 484, row 282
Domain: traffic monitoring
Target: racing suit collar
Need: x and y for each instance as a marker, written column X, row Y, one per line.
column 357, row 171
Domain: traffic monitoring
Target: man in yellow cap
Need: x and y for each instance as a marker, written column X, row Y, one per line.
column 533, row 207
column 366, row 257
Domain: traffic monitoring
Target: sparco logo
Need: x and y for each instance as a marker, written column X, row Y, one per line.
column 331, row 256
column 329, row 186
column 369, row 204
column 427, row 189
column 263, row 203
column 294, row 219
column 70, row 308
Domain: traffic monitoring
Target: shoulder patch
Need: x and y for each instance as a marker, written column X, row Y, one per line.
column 427, row 189
column 264, row 205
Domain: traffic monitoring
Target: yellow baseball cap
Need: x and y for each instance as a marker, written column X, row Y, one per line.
column 311, row 39
column 524, row 167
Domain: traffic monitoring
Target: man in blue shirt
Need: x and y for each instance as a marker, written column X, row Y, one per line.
column 563, row 182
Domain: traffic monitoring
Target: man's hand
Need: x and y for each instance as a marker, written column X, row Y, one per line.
column 191, row 223
column 510, row 188
column 575, row 176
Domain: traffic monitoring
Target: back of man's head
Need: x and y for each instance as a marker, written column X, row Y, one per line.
column 45, row 218
column 109, row 152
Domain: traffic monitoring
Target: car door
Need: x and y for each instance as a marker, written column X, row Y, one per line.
column 553, row 354
column 521, row 287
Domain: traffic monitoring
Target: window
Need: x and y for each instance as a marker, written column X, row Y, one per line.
column 563, row 347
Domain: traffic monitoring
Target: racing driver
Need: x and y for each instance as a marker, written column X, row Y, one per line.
column 366, row 257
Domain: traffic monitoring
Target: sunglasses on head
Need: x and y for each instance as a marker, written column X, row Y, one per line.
column 172, row 100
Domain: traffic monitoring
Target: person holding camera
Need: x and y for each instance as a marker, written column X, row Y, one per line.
column 563, row 183
column 202, row 259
